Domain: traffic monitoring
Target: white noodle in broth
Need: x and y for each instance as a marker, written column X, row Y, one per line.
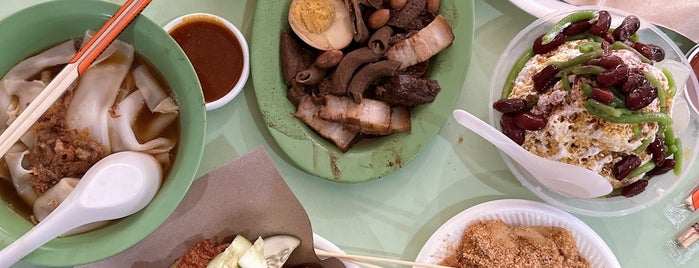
column 140, row 117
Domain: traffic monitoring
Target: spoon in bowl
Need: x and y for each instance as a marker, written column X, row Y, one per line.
column 565, row 179
column 116, row 186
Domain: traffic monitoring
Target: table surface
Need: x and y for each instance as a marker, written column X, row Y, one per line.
column 393, row 216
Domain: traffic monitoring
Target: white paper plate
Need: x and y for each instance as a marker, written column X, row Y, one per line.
column 517, row 212
column 540, row 8
column 323, row 244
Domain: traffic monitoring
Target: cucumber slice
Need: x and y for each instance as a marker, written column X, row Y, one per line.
column 278, row 248
column 254, row 257
column 229, row 257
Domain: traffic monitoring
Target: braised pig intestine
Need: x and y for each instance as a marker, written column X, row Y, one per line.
column 96, row 108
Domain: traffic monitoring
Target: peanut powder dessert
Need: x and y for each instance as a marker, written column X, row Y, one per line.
column 492, row 243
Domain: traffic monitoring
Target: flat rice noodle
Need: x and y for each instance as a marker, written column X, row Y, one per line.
column 157, row 99
column 21, row 177
column 97, row 91
column 57, row 55
column 25, row 91
column 4, row 105
column 122, row 133
column 105, row 54
column 48, row 202
column 53, row 197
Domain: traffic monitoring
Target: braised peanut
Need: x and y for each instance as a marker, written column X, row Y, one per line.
column 378, row 18
column 432, row 5
column 329, row 59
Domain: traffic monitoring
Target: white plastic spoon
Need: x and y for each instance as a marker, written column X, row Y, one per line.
column 117, row 186
column 565, row 179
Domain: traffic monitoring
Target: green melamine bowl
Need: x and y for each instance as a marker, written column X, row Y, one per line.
column 38, row 27
column 370, row 158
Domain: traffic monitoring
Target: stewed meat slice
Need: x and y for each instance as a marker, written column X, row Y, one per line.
column 333, row 131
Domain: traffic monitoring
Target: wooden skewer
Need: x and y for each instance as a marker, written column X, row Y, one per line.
column 77, row 65
column 362, row 264
column 376, row 259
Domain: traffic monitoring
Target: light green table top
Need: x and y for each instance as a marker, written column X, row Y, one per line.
column 393, row 216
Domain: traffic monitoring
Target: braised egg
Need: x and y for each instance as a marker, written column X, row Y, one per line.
column 322, row 24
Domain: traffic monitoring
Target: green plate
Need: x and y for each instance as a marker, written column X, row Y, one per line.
column 369, row 159
column 38, row 27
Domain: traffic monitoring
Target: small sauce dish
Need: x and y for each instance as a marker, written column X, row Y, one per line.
column 217, row 50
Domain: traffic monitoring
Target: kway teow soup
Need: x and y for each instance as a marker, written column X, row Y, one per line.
column 119, row 104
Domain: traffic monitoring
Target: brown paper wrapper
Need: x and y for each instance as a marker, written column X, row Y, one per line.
column 246, row 197
column 680, row 16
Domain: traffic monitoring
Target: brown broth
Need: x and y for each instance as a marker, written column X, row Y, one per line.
column 215, row 53
column 14, row 201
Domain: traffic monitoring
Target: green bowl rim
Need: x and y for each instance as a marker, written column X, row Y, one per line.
column 108, row 241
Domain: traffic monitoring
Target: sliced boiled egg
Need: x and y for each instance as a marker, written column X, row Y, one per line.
column 322, row 24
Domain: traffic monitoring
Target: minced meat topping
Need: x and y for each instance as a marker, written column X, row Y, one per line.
column 60, row 152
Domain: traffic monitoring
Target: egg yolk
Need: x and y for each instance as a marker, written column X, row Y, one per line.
column 315, row 15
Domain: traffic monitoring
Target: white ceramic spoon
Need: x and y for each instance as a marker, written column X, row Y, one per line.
column 565, row 179
column 117, row 186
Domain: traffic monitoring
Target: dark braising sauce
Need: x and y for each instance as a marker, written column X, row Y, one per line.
column 215, row 53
